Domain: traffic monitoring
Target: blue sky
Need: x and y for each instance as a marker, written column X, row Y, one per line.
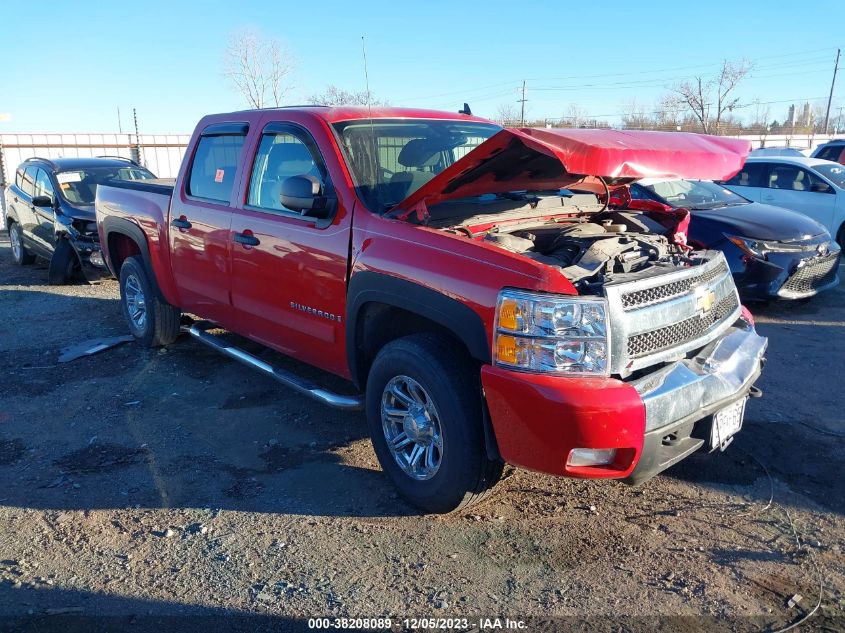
column 70, row 65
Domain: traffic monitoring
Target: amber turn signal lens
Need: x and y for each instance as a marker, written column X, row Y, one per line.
column 509, row 315
column 506, row 349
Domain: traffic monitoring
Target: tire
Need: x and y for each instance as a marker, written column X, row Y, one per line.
column 64, row 264
column 21, row 256
column 443, row 385
column 840, row 236
column 152, row 321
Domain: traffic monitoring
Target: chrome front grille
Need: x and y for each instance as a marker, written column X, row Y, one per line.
column 661, row 318
column 815, row 274
column 688, row 330
column 665, row 292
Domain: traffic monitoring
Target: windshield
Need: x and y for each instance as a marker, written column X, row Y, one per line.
column 694, row 194
column 391, row 158
column 833, row 172
column 79, row 186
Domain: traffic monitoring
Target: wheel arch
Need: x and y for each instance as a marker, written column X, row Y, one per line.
column 382, row 308
column 374, row 299
column 122, row 239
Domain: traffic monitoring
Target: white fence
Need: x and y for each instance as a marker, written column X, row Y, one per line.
column 803, row 142
column 160, row 153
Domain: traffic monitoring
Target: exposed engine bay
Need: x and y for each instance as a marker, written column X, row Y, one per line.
column 592, row 247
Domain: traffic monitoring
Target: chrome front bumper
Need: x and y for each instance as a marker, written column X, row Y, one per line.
column 691, row 389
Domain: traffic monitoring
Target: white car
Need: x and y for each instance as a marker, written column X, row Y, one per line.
column 810, row 186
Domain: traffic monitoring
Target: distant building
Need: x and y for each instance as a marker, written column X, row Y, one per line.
column 802, row 118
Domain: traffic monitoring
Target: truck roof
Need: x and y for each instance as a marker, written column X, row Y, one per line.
column 335, row 114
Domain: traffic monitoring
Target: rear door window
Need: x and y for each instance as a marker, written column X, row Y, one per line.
column 28, row 181
column 216, row 161
column 751, row 175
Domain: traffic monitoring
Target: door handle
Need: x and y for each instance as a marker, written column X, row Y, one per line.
column 181, row 223
column 247, row 239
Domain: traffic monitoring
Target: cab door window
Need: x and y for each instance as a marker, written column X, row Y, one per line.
column 282, row 154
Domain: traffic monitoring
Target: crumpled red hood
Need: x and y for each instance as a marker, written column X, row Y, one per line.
column 545, row 159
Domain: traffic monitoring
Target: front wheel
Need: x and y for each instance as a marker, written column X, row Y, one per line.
column 152, row 321
column 425, row 420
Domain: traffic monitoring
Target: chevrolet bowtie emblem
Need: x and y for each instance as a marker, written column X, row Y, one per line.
column 704, row 299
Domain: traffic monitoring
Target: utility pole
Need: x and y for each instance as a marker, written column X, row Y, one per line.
column 522, row 101
column 832, row 84
column 136, row 151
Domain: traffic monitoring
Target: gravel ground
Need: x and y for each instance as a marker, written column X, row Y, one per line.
column 174, row 489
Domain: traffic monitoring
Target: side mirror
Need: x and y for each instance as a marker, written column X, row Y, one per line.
column 42, row 201
column 304, row 194
column 820, row 187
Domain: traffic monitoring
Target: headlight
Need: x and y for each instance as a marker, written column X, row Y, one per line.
column 552, row 334
column 755, row 248
column 759, row 248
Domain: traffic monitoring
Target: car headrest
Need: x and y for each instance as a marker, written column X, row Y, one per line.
column 282, row 153
column 419, row 152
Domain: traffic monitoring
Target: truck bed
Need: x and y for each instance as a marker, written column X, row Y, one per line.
column 153, row 185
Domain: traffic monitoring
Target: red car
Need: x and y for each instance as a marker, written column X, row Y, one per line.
column 470, row 281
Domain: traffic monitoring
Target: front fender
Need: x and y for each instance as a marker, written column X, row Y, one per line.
column 373, row 287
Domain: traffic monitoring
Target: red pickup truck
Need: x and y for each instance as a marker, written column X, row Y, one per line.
column 470, row 281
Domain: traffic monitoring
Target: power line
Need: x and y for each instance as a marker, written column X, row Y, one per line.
column 795, row 55
column 736, row 107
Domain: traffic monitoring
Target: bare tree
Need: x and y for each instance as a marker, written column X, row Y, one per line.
column 508, row 115
column 635, row 117
column 258, row 68
column 710, row 98
column 576, row 116
column 334, row 96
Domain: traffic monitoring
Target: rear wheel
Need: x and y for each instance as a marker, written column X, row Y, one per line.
column 64, row 264
column 152, row 320
column 424, row 416
column 19, row 252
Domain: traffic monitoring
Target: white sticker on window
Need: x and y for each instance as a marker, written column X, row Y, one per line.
column 69, row 176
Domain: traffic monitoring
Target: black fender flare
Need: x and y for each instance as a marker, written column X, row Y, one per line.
column 122, row 226
column 372, row 287
column 456, row 317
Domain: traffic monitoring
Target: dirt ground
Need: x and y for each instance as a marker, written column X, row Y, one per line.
column 175, row 489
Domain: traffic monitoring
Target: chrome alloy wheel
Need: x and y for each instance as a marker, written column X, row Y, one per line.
column 136, row 304
column 411, row 427
column 17, row 247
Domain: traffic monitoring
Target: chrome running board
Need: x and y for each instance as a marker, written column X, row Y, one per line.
column 198, row 330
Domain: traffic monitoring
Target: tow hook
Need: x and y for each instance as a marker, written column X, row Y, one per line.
column 755, row 392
